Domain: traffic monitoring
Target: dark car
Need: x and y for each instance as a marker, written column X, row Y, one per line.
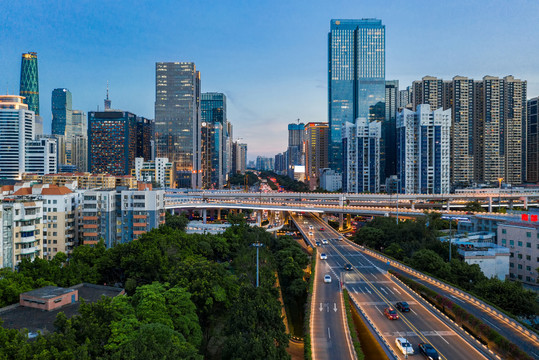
column 428, row 351
column 318, row 243
column 402, row 306
column 348, row 267
column 391, row 314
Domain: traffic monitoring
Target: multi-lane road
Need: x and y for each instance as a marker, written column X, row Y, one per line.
column 373, row 290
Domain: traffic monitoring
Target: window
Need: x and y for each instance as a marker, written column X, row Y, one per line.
column 512, row 265
column 504, row 242
column 528, row 245
column 512, row 242
column 528, row 257
column 520, row 243
column 519, row 266
column 528, row 268
column 504, row 231
column 520, row 256
column 528, row 279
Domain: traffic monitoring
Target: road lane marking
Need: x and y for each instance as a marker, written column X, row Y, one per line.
column 379, row 311
column 321, row 307
column 491, row 324
column 413, row 311
column 441, row 337
column 329, row 334
column 335, row 307
column 398, row 292
column 368, row 290
column 391, row 291
column 381, row 288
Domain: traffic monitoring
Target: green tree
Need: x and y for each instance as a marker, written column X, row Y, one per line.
column 474, row 206
column 177, row 222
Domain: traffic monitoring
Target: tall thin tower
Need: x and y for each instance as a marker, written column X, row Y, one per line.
column 108, row 102
column 29, row 87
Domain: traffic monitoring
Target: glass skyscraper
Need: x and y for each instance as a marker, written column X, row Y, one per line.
column 62, row 111
column 29, row 86
column 214, row 123
column 177, row 119
column 356, row 78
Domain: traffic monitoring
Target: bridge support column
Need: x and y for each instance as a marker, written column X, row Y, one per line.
column 448, row 205
column 324, row 218
column 490, row 204
column 171, row 211
column 412, row 204
column 271, row 217
column 341, row 222
column 510, row 204
column 218, row 214
column 525, row 203
column 204, row 215
column 258, row 218
column 348, row 221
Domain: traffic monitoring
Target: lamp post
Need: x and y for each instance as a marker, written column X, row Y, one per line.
column 500, row 193
column 258, row 245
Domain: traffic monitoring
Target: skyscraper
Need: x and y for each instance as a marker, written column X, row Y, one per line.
column 462, row 140
column 295, row 152
column 177, row 119
column 144, row 138
column 16, row 128
column 361, row 144
column 532, row 154
column 62, row 111
column 112, row 142
column 388, row 151
column 316, row 152
column 423, row 150
column 356, row 78
column 214, row 128
column 29, row 86
column 79, row 140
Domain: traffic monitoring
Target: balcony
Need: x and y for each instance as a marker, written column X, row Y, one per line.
column 28, row 239
column 28, row 228
column 30, row 250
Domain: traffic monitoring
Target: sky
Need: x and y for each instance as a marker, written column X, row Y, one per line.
column 268, row 57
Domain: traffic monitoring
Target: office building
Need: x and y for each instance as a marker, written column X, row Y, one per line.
column 41, row 156
column 522, row 239
column 295, row 151
column 264, row 163
column 424, row 150
column 159, row 171
column 29, row 85
column 144, row 138
column 62, row 112
column 361, row 145
column 388, row 145
column 532, row 154
column 405, row 98
column 316, row 140
column 112, row 142
column 16, row 128
column 330, row 180
column 239, row 158
column 280, row 164
column 120, row 216
column 177, row 120
column 79, row 140
column 356, row 78
column 214, row 137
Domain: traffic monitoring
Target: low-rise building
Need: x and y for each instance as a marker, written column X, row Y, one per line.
column 84, row 180
column 330, row 180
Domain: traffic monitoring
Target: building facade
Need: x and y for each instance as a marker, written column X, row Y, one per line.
column 144, row 138
column 316, row 152
column 532, row 154
column 214, row 129
column 29, row 85
column 62, row 111
column 177, row 120
column 388, row 152
column 330, row 180
column 295, row 151
column 361, row 146
column 356, row 78
column 16, row 128
column 112, row 142
column 424, row 150
column 159, row 171
column 41, row 156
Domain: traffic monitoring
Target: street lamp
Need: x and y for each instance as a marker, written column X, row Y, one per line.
column 500, row 179
column 258, row 245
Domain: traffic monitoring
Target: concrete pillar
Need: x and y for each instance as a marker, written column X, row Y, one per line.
column 171, row 211
column 510, row 204
column 412, row 204
column 218, row 214
column 490, row 204
column 348, row 220
column 204, row 215
column 258, row 218
column 525, row 203
column 341, row 221
column 448, row 205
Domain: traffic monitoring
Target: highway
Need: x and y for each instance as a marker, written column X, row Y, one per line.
column 374, row 290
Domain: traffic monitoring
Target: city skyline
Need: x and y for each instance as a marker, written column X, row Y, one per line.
column 260, row 87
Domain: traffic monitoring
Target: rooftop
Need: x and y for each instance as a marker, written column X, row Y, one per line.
column 47, row 292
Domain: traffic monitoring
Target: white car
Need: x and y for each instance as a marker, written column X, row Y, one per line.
column 327, row 279
column 404, row 346
column 324, row 241
column 323, row 256
column 310, row 233
column 311, row 227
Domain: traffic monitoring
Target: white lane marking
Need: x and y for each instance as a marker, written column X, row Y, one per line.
column 391, row 291
column 379, row 311
column 335, row 307
column 329, row 334
column 413, row 311
column 368, row 291
column 381, row 288
column 454, row 297
column 398, row 292
column 441, row 337
column 492, row 324
column 321, row 307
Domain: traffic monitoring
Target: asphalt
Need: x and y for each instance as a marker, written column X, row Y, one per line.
column 374, row 290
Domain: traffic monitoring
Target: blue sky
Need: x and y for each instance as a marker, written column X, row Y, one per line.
column 268, row 57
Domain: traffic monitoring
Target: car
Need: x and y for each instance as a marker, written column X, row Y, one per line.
column 310, row 233
column 327, row 278
column 311, row 227
column 428, row 351
column 404, row 346
column 324, row 241
column 402, row 306
column 348, row 267
column 323, row 256
column 391, row 313
column 322, row 229
column 317, row 243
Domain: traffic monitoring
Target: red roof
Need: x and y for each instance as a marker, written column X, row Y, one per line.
column 55, row 190
column 23, row 191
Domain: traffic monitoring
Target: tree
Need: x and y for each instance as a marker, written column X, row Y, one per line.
column 429, row 261
column 177, row 222
column 474, row 206
column 370, row 236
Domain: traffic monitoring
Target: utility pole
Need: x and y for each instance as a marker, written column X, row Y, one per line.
column 258, row 245
column 450, row 221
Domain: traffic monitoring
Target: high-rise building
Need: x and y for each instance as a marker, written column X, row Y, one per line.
column 432, row 91
column 356, row 78
column 62, row 111
column 388, row 146
column 264, row 163
column 112, row 142
column 29, row 85
column 159, row 171
column 361, row 144
column 240, row 156
column 215, row 128
column 280, row 164
column 144, row 138
column 295, row 150
column 41, row 156
column 79, row 141
column 177, row 119
column 532, row 154
column 405, row 98
column 462, row 139
column 316, row 152
column 16, row 128
column 423, row 150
